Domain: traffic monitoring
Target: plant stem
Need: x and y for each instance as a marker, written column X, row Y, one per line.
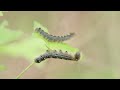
column 24, row 70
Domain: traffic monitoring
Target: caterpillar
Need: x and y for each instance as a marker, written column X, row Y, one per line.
column 52, row 37
column 59, row 55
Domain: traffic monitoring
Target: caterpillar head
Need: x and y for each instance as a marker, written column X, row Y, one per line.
column 77, row 56
column 37, row 60
column 37, row 29
column 72, row 34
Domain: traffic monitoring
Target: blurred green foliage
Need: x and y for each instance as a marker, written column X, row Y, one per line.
column 7, row 35
column 1, row 14
column 2, row 67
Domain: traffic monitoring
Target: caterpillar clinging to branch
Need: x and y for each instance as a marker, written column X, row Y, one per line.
column 54, row 38
column 59, row 55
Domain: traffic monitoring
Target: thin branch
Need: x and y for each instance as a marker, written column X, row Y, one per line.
column 24, row 70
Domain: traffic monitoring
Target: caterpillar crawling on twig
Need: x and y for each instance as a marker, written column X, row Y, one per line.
column 52, row 37
column 59, row 55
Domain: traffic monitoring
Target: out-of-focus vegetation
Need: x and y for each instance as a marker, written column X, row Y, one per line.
column 6, row 34
column 97, row 37
column 1, row 14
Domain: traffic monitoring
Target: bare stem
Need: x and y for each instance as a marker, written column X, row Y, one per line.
column 24, row 70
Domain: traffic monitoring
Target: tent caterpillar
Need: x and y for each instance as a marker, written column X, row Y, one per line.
column 59, row 55
column 52, row 37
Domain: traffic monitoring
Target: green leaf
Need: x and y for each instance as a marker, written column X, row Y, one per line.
column 53, row 45
column 29, row 48
column 62, row 46
column 7, row 35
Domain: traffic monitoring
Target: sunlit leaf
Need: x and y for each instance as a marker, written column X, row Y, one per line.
column 53, row 45
column 29, row 48
column 62, row 46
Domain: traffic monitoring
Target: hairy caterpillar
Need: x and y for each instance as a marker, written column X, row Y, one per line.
column 54, row 38
column 59, row 55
